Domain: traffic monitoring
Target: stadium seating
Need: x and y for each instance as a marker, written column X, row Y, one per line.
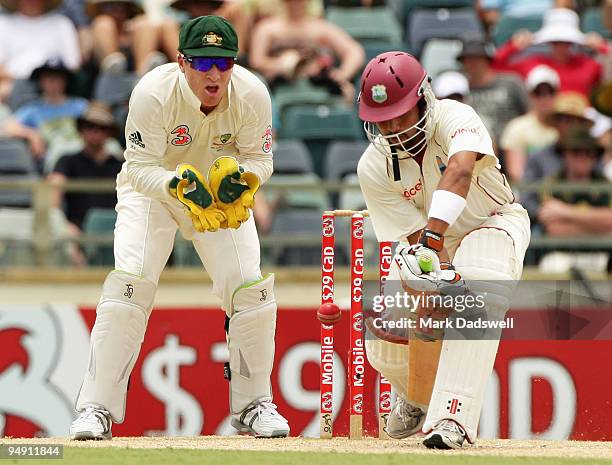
column 309, row 198
column 592, row 22
column 16, row 164
column 441, row 23
column 298, row 224
column 508, row 25
column 367, row 24
column 114, row 89
column 291, row 156
column 99, row 223
column 23, row 91
column 301, row 92
column 317, row 126
column 440, row 55
column 342, row 158
column 404, row 8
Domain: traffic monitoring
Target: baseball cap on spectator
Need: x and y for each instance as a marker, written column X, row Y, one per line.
column 570, row 104
column 94, row 8
column 97, row 114
column 208, row 36
column 579, row 139
column 560, row 25
column 53, row 65
column 476, row 47
column 542, row 74
column 450, row 83
column 11, row 5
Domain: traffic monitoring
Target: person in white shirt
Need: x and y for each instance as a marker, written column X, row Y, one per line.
column 30, row 35
column 202, row 114
column 431, row 181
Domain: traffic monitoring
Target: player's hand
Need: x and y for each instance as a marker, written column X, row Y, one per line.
column 192, row 190
column 522, row 39
column 233, row 189
column 410, row 261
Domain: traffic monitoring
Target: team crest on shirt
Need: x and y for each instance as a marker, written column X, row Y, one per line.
column 211, row 38
column 182, row 135
column 220, row 141
column 267, row 140
column 379, row 93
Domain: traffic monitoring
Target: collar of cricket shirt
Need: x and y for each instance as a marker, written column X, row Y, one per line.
column 194, row 101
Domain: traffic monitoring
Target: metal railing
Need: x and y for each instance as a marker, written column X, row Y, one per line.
column 43, row 241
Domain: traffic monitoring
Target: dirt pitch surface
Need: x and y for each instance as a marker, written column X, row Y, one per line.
column 501, row 448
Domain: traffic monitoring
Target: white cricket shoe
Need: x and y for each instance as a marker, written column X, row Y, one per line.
column 405, row 419
column 447, row 434
column 261, row 420
column 92, row 423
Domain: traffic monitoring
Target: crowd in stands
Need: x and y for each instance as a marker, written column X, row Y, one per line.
column 532, row 69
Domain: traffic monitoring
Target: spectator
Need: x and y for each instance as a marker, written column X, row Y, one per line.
column 294, row 45
column 124, row 38
column 96, row 126
column 497, row 98
column 531, row 132
column 491, row 10
column 452, row 85
column 30, row 35
column 569, row 112
column 576, row 213
column 230, row 10
column 50, row 118
column 577, row 71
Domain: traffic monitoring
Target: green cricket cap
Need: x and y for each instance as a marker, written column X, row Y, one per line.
column 208, row 36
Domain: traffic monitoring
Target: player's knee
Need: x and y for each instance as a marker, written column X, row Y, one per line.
column 126, row 292
column 487, row 254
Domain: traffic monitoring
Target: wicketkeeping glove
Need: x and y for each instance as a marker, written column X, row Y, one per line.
column 192, row 190
column 233, row 189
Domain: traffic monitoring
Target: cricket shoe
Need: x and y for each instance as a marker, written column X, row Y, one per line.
column 262, row 420
column 447, row 434
column 92, row 423
column 405, row 419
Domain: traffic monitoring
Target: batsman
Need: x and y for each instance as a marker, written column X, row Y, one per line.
column 199, row 142
column 432, row 182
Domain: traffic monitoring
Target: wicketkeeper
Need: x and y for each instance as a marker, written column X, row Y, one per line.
column 199, row 145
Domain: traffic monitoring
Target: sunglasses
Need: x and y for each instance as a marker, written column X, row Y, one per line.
column 95, row 127
column 205, row 64
column 539, row 92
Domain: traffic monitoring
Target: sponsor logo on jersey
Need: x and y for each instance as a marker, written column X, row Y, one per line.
column 220, row 141
column 267, row 140
column 409, row 193
column 182, row 135
column 460, row 131
column 136, row 139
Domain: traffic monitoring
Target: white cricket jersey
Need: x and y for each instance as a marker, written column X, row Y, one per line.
column 165, row 127
column 399, row 208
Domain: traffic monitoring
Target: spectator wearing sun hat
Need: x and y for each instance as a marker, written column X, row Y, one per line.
column 30, row 34
column 532, row 131
column 452, row 85
column 577, row 71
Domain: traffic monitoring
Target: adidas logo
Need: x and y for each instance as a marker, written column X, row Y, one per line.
column 136, row 138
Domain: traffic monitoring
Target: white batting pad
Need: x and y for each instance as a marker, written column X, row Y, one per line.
column 391, row 360
column 121, row 321
column 487, row 255
column 250, row 339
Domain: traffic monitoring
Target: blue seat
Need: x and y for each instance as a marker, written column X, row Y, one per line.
column 297, row 224
column 22, row 92
column 508, row 25
column 440, row 55
column 291, row 156
column 114, row 89
column 367, row 23
column 319, row 125
column 99, row 223
column 441, row 23
column 592, row 22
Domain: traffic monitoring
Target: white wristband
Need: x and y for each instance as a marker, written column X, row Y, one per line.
column 446, row 206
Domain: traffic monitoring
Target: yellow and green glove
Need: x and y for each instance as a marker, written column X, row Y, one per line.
column 192, row 190
column 233, row 189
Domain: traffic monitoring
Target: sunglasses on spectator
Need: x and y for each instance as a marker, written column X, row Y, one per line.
column 205, row 64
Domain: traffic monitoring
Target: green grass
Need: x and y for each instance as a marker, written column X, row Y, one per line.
column 113, row 456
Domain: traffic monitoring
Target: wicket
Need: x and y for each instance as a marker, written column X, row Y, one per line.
column 356, row 356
